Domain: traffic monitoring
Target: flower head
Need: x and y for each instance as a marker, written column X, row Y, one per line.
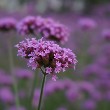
column 87, row 23
column 27, row 25
column 23, row 73
column 6, row 95
column 89, row 104
column 7, row 24
column 47, row 27
column 5, row 79
column 53, row 30
column 47, row 55
column 106, row 34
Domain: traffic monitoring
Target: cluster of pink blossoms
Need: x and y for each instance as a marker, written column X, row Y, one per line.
column 46, row 27
column 27, row 26
column 87, row 23
column 7, row 24
column 54, row 31
column 47, row 55
column 106, row 34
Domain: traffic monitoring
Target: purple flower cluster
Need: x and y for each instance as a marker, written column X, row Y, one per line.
column 7, row 24
column 99, row 72
column 27, row 26
column 87, row 23
column 89, row 105
column 6, row 95
column 23, row 73
column 46, row 27
column 46, row 54
column 52, row 87
column 54, row 31
column 5, row 79
column 106, row 34
column 74, row 91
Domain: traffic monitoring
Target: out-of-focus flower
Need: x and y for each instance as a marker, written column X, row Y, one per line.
column 68, row 84
column 87, row 89
column 89, row 104
column 24, row 73
column 87, row 23
column 28, row 26
column 36, row 97
column 5, row 79
column 53, row 30
column 7, row 24
column 6, row 95
column 106, row 34
column 52, row 87
column 46, row 54
column 103, row 84
column 73, row 94
column 86, row 86
column 46, row 27
column 94, row 71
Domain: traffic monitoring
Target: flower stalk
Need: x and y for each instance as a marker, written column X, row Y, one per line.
column 42, row 89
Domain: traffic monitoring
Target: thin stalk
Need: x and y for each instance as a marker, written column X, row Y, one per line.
column 42, row 89
column 11, row 65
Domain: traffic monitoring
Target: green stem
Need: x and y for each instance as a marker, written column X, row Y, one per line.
column 41, row 93
column 11, row 65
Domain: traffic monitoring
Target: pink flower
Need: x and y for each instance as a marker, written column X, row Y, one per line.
column 53, row 30
column 7, row 24
column 6, row 95
column 27, row 26
column 23, row 73
column 5, row 79
column 48, row 28
column 48, row 70
column 42, row 53
column 106, row 34
column 87, row 23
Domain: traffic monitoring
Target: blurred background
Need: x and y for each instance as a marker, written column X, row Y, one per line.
column 85, row 88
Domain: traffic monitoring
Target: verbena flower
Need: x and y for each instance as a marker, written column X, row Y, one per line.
column 52, row 87
column 6, row 95
column 87, row 23
column 23, row 73
column 53, row 30
column 47, row 55
column 7, row 24
column 5, row 79
column 47, row 27
column 89, row 104
column 27, row 26
column 106, row 34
